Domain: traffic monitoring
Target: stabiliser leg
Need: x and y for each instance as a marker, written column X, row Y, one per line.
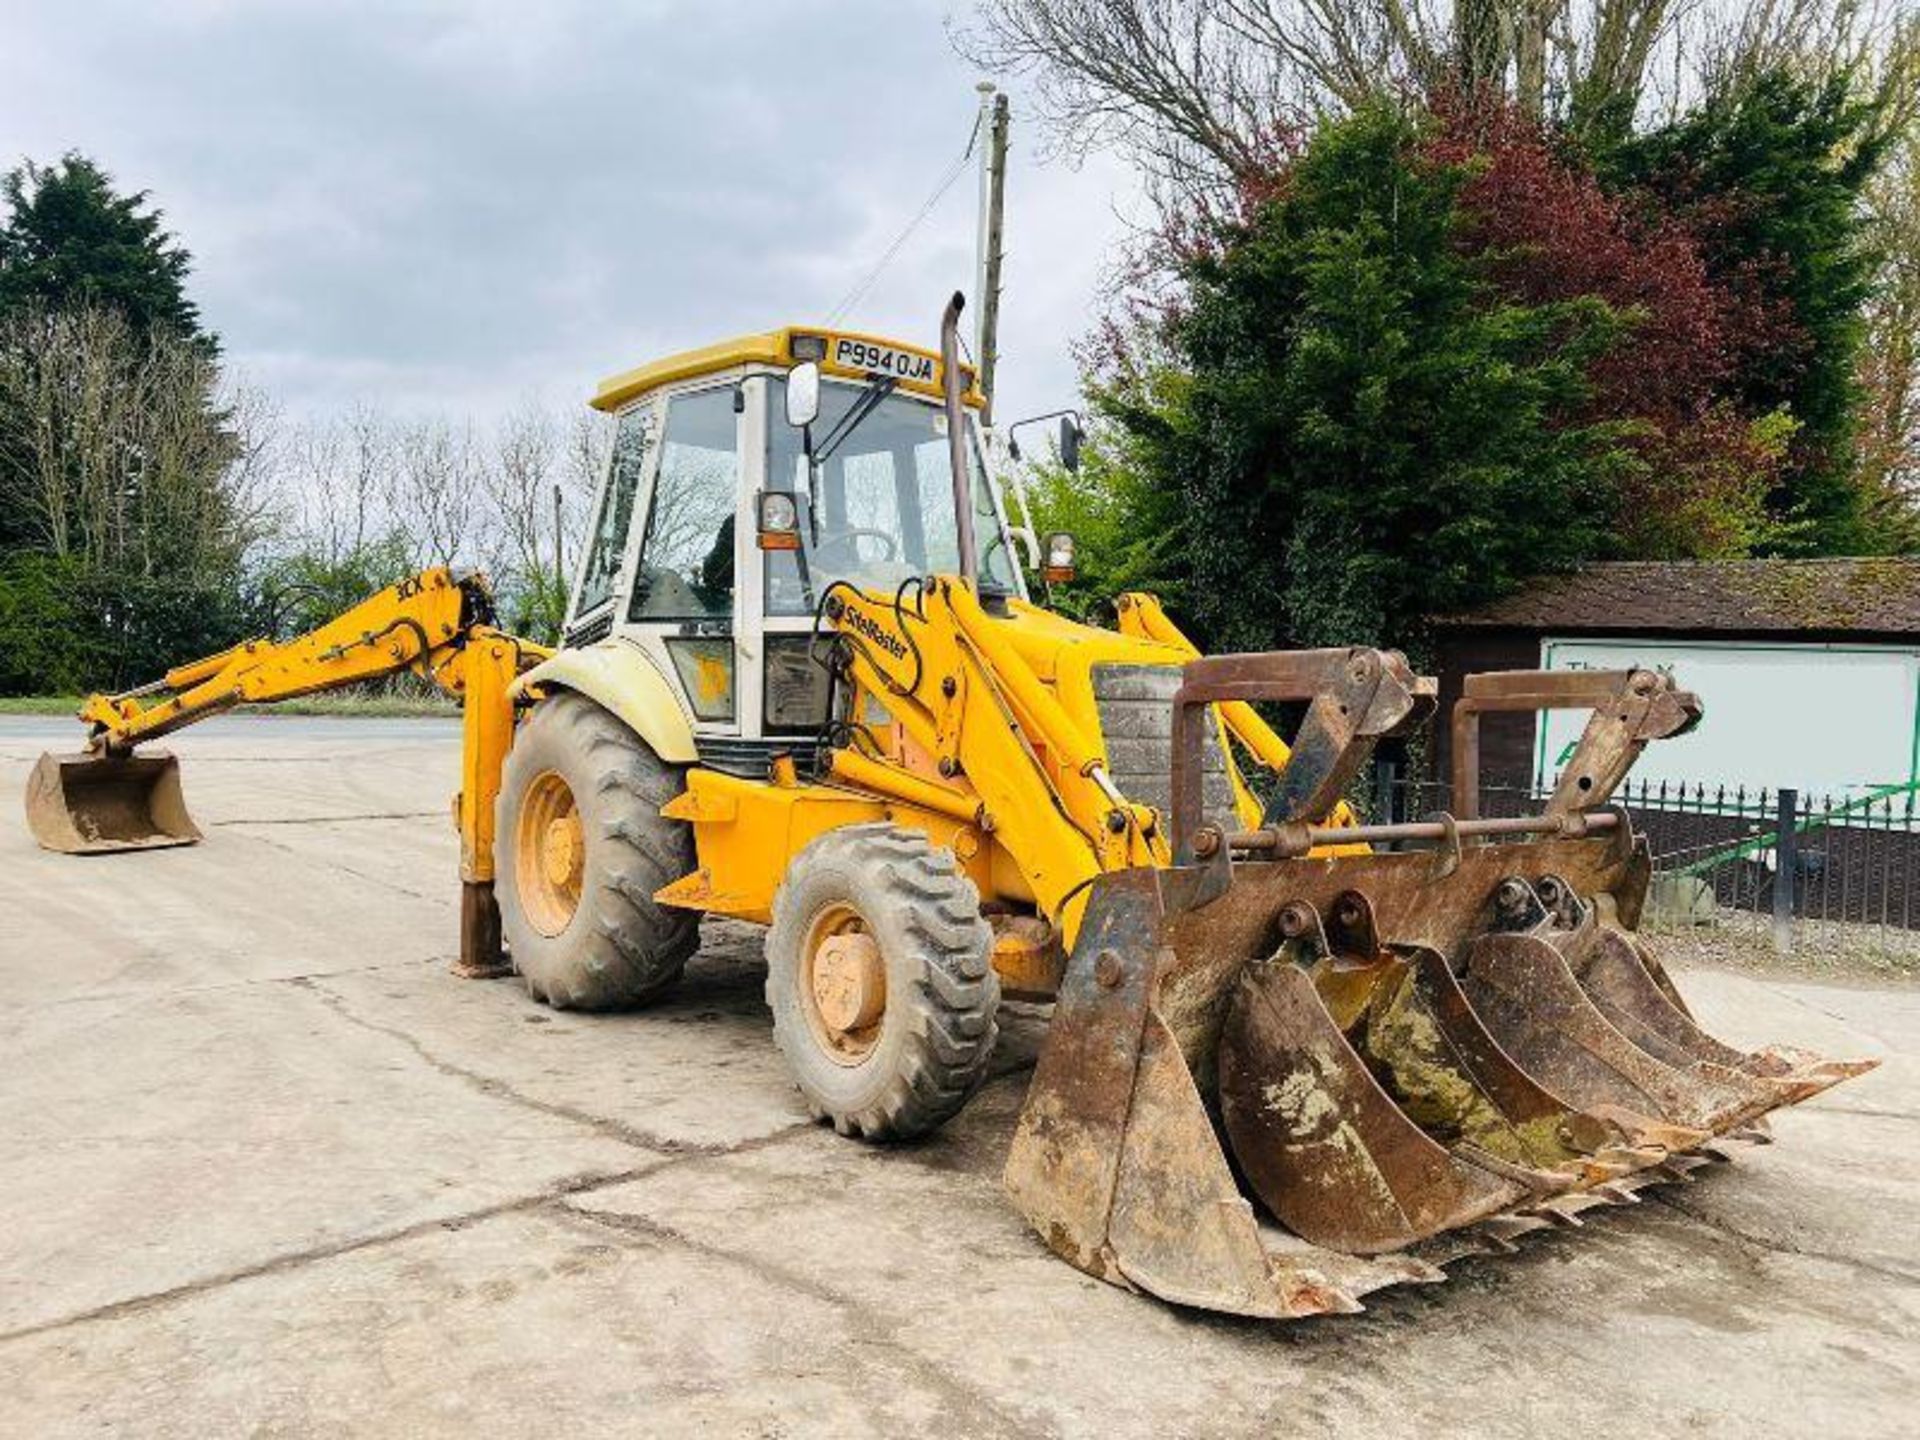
column 487, row 667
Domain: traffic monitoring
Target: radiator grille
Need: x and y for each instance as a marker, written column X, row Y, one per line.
column 588, row 631
column 752, row 759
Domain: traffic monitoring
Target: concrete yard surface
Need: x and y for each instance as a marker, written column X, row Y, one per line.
column 267, row 1168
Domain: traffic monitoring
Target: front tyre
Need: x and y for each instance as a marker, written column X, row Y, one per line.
column 881, row 982
column 580, row 847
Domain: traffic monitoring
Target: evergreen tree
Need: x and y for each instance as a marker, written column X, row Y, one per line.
column 1771, row 177
column 122, row 518
column 70, row 240
column 1368, row 432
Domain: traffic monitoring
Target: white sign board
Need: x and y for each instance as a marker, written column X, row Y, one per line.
column 1831, row 720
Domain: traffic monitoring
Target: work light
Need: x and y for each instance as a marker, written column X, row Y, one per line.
column 1058, row 568
column 779, row 521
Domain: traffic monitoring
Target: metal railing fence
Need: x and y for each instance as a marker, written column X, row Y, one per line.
column 1790, row 859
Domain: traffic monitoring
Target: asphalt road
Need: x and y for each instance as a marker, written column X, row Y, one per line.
column 265, row 1167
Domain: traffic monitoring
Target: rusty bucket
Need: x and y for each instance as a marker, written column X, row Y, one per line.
column 89, row 803
column 1273, row 1086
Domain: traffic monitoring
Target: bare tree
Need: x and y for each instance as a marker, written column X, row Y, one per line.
column 520, row 477
column 364, row 498
column 120, row 453
column 336, row 476
column 436, row 496
column 1204, row 90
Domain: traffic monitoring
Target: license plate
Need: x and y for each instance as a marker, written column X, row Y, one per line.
column 883, row 360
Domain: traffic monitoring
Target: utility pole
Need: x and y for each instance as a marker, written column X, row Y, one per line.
column 559, row 556
column 993, row 202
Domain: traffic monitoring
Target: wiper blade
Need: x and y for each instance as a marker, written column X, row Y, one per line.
column 877, row 390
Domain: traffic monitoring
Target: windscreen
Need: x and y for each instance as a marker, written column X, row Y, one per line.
column 877, row 505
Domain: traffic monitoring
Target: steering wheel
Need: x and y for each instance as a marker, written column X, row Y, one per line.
column 844, row 540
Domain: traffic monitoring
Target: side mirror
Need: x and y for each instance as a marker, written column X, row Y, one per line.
column 1071, row 436
column 803, row 394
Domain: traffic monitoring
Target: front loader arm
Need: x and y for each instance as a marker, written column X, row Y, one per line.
column 1010, row 755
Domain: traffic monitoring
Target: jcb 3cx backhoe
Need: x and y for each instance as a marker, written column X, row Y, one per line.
column 1292, row 1058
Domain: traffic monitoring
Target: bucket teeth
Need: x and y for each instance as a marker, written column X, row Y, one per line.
column 1503, row 1230
column 1648, row 1135
column 1680, row 1168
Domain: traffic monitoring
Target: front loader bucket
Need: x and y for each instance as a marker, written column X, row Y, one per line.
column 1271, row 1087
column 89, row 804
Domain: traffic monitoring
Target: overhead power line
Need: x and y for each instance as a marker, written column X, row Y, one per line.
column 866, row 282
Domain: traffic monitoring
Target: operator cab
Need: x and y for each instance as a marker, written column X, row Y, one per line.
column 675, row 563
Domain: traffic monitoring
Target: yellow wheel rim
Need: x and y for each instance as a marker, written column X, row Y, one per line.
column 843, row 985
column 550, row 854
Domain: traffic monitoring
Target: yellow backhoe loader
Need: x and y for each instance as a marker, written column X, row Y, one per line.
column 1292, row 1057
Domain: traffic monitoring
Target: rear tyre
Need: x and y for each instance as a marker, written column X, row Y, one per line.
column 580, row 847
column 881, row 982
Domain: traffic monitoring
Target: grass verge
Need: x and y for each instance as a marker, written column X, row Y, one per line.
column 368, row 706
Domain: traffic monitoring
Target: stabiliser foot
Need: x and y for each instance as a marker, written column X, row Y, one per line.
column 481, row 955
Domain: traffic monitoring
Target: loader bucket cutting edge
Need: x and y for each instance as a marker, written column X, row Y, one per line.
column 1449, row 1085
column 90, row 804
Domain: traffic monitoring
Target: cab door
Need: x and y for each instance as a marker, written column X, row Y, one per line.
column 681, row 589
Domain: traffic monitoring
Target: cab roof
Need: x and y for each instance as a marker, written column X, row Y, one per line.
column 845, row 353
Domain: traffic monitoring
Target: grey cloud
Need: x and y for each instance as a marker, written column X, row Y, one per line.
column 446, row 206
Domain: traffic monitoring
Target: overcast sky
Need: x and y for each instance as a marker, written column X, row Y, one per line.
column 453, row 204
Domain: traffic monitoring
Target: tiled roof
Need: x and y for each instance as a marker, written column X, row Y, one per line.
column 1872, row 595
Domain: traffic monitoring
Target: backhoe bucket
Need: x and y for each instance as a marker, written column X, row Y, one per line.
column 90, row 804
column 1273, row 1086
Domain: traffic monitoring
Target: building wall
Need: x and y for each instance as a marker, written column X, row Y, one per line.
column 1506, row 741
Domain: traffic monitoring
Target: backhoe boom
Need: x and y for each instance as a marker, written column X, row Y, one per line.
column 435, row 624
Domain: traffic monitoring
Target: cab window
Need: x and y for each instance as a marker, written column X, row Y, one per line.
column 686, row 558
column 632, row 437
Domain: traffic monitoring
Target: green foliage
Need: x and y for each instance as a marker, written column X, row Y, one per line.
column 43, row 640
column 1771, row 177
column 122, row 522
column 533, row 602
column 303, row 590
column 67, row 627
column 71, row 240
column 1369, row 434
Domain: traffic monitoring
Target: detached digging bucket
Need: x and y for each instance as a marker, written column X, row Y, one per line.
column 87, row 804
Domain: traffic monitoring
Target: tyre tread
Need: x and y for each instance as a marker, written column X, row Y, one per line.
column 949, row 1009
